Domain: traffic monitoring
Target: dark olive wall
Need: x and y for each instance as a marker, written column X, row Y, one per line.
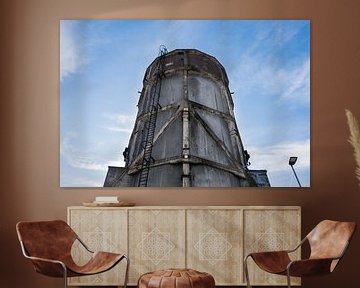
column 29, row 119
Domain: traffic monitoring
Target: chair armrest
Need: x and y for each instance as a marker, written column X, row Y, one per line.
column 48, row 267
column 45, row 260
column 281, row 251
column 309, row 267
column 84, row 245
column 268, row 253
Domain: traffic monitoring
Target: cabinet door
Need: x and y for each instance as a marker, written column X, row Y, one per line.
column 214, row 244
column 101, row 230
column 269, row 230
column 156, row 240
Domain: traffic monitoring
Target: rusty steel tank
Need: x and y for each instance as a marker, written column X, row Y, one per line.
column 185, row 133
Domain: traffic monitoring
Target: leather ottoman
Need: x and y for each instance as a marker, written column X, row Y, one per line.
column 176, row 278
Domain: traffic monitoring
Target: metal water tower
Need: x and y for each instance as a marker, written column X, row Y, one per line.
column 185, row 133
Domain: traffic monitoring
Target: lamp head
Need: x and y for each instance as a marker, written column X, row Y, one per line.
column 292, row 160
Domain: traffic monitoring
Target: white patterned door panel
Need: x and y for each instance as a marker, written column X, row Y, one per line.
column 214, row 241
column 157, row 240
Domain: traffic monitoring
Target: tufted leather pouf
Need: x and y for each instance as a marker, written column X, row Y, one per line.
column 176, row 278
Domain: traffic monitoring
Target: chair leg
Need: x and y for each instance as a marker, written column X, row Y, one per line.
column 126, row 271
column 246, row 272
column 288, row 278
column 65, row 275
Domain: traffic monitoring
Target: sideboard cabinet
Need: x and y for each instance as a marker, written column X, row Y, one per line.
column 211, row 239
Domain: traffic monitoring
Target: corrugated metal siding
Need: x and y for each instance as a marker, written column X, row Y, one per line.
column 204, row 146
column 207, row 92
column 207, row 176
column 169, row 144
column 219, row 126
column 171, row 90
column 165, row 176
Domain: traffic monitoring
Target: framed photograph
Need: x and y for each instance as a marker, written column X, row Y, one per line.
column 184, row 103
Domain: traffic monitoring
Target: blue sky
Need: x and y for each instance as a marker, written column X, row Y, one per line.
column 102, row 64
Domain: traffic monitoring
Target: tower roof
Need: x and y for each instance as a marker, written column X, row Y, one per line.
column 191, row 59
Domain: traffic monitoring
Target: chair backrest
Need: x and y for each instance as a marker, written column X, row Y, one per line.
column 46, row 239
column 329, row 239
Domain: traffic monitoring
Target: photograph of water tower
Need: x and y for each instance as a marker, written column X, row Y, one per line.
column 184, row 103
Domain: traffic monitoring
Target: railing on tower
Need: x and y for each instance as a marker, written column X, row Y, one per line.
column 153, row 108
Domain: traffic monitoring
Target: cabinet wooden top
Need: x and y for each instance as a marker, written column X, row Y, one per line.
column 193, row 207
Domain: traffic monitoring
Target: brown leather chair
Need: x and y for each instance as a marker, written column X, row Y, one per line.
column 48, row 245
column 328, row 242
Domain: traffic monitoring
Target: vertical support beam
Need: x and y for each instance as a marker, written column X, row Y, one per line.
column 186, row 179
column 186, row 148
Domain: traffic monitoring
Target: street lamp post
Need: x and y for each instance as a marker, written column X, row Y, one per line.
column 292, row 161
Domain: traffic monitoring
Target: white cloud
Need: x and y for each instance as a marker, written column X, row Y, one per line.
column 71, row 58
column 85, row 159
column 263, row 77
column 283, row 34
column 77, row 158
column 275, row 158
column 121, row 118
column 263, row 69
column 119, row 129
column 120, row 122
column 81, row 182
column 298, row 80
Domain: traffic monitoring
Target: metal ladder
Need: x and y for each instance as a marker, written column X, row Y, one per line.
column 151, row 123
